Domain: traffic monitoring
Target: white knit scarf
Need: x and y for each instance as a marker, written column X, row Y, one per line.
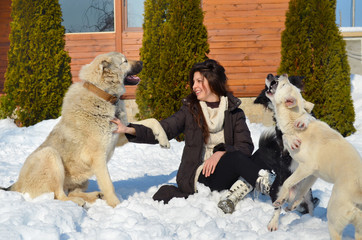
column 215, row 117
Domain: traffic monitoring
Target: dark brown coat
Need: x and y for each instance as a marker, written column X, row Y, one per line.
column 236, row 134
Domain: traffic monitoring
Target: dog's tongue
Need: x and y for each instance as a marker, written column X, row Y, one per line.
column 131, row 80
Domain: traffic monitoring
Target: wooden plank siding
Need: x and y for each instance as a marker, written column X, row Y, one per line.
column 131, row 43
column 244, row 36
column 83, row 48
column 5, row 19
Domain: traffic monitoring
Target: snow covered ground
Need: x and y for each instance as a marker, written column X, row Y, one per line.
column 137, row 171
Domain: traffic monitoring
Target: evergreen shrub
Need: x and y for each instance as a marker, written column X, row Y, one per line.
column 174, row 39
column 313, row 47
column 38, row 72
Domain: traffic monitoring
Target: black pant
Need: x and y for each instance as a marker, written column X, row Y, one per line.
column 231, row 166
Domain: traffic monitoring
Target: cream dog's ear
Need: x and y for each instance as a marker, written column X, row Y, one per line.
column 290, row 102
column 106, row 63
column 95, row 68
column 308, row 106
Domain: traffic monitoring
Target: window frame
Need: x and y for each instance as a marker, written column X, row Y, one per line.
column 125, row 21
column 352, row 16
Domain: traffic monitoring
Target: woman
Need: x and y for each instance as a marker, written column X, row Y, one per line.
column 218, row 145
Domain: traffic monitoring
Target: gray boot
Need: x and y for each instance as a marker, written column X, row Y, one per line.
column 237, row 192
column 264, row 181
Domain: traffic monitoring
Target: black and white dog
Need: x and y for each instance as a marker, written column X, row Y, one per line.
column 271, row 155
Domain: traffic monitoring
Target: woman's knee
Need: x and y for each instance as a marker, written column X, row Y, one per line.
column 235, row 157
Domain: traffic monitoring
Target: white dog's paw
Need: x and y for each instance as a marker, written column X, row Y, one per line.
column 280, row 201
column 282, row 196
column 302, row 122
column 292, row 141
column 273, row 224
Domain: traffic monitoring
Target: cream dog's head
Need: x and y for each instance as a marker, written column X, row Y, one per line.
column 111, row 71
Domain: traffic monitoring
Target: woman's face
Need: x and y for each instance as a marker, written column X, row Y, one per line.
column 202, row 89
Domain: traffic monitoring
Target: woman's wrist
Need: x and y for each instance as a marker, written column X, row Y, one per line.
column 130, row 130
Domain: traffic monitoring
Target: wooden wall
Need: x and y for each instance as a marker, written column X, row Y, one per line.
column 84, row 47
column 244, row 36
column 5, row 19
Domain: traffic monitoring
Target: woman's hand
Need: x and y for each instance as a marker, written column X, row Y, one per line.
column 121, row 128
column 210, row 164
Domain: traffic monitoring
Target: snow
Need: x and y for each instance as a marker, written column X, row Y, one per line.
column 137, row 171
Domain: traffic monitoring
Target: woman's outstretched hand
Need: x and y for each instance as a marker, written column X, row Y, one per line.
column 121, row 128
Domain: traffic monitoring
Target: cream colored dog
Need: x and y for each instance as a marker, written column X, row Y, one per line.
column 83, row 141
column 323, row 153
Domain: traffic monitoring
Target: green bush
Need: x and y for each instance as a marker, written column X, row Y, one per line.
column 38, row 72
column 174, row 39
column 154, row 18
column 313, row 47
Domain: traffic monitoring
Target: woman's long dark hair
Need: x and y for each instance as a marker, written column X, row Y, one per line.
column 215, row 75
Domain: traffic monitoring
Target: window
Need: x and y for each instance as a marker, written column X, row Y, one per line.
column 348, row 13
column 87, row 15
column 134, row 13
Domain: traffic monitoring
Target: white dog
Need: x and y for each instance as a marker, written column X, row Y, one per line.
column 321, row 152
column 83, row 141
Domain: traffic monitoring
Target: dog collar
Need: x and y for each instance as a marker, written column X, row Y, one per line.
column 100, row 93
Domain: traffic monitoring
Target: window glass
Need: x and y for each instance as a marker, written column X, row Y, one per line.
column 87, row 15
column 135, row 10
column 344, row 13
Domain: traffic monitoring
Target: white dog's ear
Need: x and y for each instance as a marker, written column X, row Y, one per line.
column 308, row 106
column 290, row 102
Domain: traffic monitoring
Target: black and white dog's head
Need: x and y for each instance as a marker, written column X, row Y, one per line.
column 271, row 83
